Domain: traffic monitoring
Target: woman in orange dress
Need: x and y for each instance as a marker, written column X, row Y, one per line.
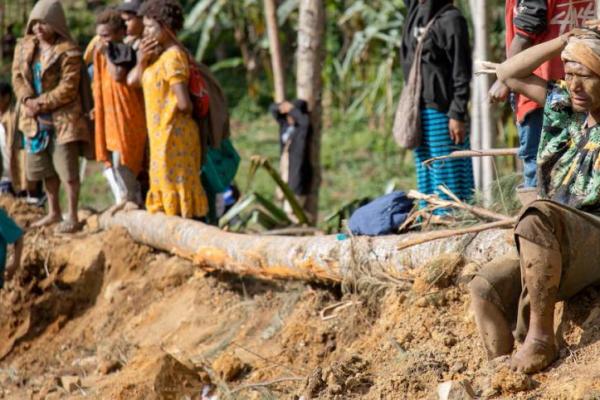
column 175, row 151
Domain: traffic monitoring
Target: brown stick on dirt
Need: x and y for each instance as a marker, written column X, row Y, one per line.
column 477, row 211
column 447, row 233
column 474, row 153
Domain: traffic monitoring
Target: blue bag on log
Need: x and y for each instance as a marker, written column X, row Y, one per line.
column 382, row 216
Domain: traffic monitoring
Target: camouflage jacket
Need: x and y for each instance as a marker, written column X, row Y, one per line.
column 568, row 162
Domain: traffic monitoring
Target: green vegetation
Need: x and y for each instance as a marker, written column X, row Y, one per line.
column 357, row 161
column 362, row 81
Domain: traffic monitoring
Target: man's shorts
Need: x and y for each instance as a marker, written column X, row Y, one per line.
column 575, row 234
column 60, row 160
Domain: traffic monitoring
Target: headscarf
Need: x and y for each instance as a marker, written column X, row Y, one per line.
column 584, row 48
column 52, row 13
column 417, row 17
column 427, row 10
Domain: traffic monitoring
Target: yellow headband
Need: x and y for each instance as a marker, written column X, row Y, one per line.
column 584, row 51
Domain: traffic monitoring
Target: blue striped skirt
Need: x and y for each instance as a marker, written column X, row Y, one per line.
column 456, row 174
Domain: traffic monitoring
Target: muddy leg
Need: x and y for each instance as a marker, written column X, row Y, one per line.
column 492, row 324
column 72, row 189
column 542, row 268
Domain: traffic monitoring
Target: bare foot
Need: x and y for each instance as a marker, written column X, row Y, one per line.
column 47, row 220
column 122, row 206
column 68, row 226
column 131, row 206
column 534, row 355
column 115, row 208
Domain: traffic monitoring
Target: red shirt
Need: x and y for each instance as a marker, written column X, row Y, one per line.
column 561, row 17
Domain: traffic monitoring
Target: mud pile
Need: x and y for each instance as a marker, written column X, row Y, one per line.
column 98, row 316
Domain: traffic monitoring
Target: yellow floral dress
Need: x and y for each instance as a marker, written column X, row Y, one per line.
column 175, row 153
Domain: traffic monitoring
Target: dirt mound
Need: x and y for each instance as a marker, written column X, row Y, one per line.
column 98, row 316
column 20, row 211
column 350, row 377
column 154, row 374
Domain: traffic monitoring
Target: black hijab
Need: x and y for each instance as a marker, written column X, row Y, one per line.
column 427, row 9
column 418, row 15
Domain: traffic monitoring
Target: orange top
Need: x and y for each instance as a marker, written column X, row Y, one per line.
column 119, row 117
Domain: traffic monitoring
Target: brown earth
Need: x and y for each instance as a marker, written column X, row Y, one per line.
column 95, row 315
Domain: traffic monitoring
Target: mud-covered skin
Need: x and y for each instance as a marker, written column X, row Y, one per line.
column 494, row 328
column 542, row 269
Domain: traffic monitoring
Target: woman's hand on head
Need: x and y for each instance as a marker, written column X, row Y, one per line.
column 592, row 24
column 576, row 32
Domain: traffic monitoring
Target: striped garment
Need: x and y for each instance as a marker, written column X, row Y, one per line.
column 456, row 174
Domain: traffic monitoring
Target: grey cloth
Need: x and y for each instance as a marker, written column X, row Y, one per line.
column 130, row 6
column 121, row 55
column 128, row 187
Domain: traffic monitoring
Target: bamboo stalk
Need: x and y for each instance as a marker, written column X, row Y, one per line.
column 478, row 211
column 258, row 161
column 474, row 153
column 447, row 233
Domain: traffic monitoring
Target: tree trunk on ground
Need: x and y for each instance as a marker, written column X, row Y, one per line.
column 310, row 57
column 312, row 258
column 275, row 50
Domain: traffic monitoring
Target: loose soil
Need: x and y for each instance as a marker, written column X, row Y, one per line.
column 98, row 316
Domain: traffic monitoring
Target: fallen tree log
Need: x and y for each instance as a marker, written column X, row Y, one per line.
column 315, row 258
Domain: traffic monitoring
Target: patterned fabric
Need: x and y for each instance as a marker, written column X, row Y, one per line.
column 39, row 142
column 175, row 152
column 456, row 174
column 568, row 162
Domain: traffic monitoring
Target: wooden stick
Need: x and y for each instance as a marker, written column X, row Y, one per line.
column 478, row 211
column 268, row 383
column 294, row 231
column 446, row 233
column 474, row 153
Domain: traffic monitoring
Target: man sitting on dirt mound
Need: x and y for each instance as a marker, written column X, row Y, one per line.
column 558, row 236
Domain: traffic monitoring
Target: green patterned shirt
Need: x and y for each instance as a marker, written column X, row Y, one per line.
column 568, row 163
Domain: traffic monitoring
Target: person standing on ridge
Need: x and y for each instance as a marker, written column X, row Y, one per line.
column 446, row 77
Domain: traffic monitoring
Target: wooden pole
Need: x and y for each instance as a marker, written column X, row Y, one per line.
column 275, row 50
column 310, row 57
column 481, row 115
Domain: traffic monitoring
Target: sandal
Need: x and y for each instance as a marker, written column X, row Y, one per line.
column 67, row 227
